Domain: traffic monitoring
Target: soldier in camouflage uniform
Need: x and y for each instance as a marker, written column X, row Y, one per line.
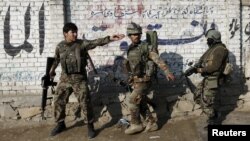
column 139, row 54
column 71, row 53
column 211, row 66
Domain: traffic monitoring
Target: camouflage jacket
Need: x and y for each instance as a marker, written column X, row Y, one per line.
column 73, row 56
column 139, row 55
column 214, row 60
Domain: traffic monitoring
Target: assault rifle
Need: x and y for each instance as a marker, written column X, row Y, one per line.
column 92, row 64
column 192, row 69
column 197, row 91
column 128, row 87
column 46, row 82
column 120, row 82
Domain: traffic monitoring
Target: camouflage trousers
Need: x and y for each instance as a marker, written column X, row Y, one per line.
column 137, row 103
column 208, row 96
column 68, row 84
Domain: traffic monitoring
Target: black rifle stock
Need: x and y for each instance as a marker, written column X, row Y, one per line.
column 192, row 69
column 92, row 64
column 46, row 82
column 129, row 88
column 197, row 91
column 122, row 83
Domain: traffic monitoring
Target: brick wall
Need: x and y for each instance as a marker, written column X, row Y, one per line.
column 30, row 29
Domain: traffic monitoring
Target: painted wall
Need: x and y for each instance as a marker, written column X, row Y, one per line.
column 30, row 30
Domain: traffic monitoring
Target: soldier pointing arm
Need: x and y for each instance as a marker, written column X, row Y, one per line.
column 71, row 53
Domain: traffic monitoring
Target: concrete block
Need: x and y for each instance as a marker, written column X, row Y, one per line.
column 29, row 112
column 7, row 111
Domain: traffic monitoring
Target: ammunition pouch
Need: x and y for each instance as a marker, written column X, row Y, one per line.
column 71, row 66
column 137, row 79
column 228, row 69
column 73, row 60
column 211, row 82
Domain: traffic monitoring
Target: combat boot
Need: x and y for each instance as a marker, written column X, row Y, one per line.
column 91, row 131
column 58, row 129
column 215, row 118
column 151, row 126
column 151, row 123
column 134, row 128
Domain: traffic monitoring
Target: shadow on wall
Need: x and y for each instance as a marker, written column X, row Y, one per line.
column 227, row 100
column 166, row 93
column 112, row 103
column 107, row 95
column 109, row 104
column 235, row 86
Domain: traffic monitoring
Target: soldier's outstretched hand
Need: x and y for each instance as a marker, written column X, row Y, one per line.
column 170, row 76
column 117, row 37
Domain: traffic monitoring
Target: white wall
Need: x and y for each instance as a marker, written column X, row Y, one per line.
column 180, row 24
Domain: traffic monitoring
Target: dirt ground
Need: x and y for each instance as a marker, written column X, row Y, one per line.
column 178, row 129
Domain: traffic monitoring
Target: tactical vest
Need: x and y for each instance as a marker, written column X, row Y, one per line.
column 139, row 63
column 209, row 56
column 73, row 59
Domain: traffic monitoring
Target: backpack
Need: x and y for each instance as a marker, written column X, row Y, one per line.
column 152, row 44
column 227, row 71
column 227, row 68
column 152, row 40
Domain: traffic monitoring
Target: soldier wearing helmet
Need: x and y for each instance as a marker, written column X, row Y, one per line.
column 139, row 54
column 134, row 28
column 213, row 37
column 212, row 64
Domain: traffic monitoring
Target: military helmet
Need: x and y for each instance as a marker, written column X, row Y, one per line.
column 134, row 28
column 213, row 34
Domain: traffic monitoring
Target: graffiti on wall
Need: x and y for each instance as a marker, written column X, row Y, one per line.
column 184, row 40
column 163, row 12
column 100, row 28
column 121, row 12
column 154, row 26
column 10, row 49
column 247, row 31
column 20, row 76
column 26, row 46
column 181, row 40
column 233, row 27
column 41, row 29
